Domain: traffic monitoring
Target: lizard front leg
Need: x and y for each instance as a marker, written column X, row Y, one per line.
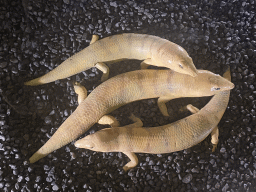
column 136, row 120
column 214, row 133
column 81, row 92
column 109, row 120
column 134, row 161
column 215, row 138
column 161, row 104
column 145, row 64
column 94, row 39
column 101, row 66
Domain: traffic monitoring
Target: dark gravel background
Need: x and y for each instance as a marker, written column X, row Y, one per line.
column 36, row 36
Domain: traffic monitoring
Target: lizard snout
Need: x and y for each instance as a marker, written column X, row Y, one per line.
column 84, row 143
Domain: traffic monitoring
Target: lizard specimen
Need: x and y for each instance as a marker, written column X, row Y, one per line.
column 153, row 50
column 169, row 138
column 129, row 87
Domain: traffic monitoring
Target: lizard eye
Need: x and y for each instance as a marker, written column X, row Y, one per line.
column 215, row 89
column 180, row 66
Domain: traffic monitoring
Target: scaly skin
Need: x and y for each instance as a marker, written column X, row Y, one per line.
column 169, row 138
column 154, row 50
column 126, row 88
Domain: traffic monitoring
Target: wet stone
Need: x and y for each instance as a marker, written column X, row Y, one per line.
column 187, row 178
column 48, row 120
column 66, row 1
column 14, row 60
column 3, row 64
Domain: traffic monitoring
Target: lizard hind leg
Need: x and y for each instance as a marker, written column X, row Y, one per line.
column 81, row 91
column 134, row 161
column 105, row 70
column 112, row 121
column 101, row 66
column 94, row 39
column 214, row 133
column 215, row 138
column 161, row 104
column 109, row 120
column 136, row 120
column 192, row 109
column 82, row 94
column 145, row 64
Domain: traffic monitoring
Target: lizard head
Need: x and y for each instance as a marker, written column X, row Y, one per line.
column 86, row 143
column 184, row 65
column 173, row 56
column 219, row 83
column 209, row 84
column 101, row 141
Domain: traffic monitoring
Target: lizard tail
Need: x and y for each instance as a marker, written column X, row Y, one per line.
column 66, row 69
column 74, row 126
column 79, row 62
column 34, row 82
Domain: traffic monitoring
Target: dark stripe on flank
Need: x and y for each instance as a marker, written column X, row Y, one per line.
column 128, row 132
column 166, row 143
column 160, row 48
column 169, row 80
column 155, row 82
column 148, row 147
column 152, row 46
column 102, row 46
column 153, row 139
column 140, row 76
column 144, row 40
column 121, row 95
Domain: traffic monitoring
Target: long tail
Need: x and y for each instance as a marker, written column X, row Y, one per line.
column 75, row 125
column 79, row 62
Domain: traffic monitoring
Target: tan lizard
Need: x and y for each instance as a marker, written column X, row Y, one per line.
column 169, row 138
column 129, row 87
column 153, row 50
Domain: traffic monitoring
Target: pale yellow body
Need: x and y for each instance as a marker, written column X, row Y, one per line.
column 176, row 136
column 126, row 88
column 153, row 50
